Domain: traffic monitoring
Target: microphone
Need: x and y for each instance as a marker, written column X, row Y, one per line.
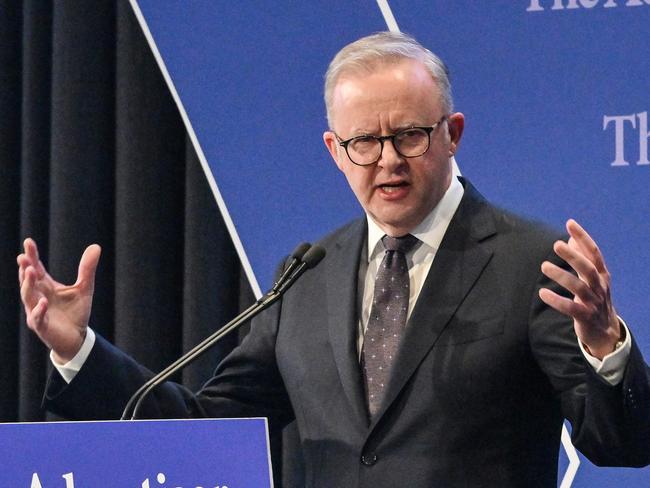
column 296, row 256
column 305, row 257
column 310, row 259
column 313, row 256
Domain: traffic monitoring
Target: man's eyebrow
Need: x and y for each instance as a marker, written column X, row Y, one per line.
column 407, row 125
column 358, row 132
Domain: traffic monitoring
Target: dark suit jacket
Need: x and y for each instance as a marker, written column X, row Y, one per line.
column 485, row 375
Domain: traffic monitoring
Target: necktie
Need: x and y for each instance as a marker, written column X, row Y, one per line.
column 387, row 318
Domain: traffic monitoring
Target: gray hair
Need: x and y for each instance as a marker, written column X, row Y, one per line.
column 367, row 52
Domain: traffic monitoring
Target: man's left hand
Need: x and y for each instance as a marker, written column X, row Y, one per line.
column 594, row 318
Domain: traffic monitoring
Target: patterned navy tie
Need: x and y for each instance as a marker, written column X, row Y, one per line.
column 387, row 318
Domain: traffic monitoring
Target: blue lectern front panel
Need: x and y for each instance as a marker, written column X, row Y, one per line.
column 225, row 453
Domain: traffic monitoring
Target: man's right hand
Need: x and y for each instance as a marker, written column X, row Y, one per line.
column 57, row 313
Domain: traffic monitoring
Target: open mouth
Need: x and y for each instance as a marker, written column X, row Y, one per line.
column 392, row 187
column 394, row 190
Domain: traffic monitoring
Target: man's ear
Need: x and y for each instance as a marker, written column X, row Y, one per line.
column 332, row 145
column 456, row 124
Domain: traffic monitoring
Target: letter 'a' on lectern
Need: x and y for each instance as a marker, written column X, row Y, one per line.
column 218, row 453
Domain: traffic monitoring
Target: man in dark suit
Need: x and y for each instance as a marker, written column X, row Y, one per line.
column 445, row 360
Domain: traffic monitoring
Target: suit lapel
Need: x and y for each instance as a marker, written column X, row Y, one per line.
column 342, row 272
column 456, row 267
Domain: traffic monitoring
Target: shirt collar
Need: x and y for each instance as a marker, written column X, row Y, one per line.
column 432, row 228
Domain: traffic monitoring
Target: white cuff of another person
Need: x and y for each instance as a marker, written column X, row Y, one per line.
column 70, row 369
column 612, row 366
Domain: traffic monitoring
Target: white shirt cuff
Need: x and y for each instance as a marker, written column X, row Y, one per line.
column 612, row 367
column 70, row 369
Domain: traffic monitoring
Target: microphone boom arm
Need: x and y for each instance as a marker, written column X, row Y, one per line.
column 298, row 266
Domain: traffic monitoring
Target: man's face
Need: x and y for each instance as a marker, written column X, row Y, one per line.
column 396, row 192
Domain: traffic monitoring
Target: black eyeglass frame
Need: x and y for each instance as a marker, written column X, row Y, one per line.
column 428, row 129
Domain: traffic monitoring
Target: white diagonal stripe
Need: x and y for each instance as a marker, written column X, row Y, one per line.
column 574, row 460
column 389, row 18
column 199, row 152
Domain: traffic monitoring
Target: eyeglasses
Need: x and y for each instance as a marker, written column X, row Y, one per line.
column 409, row 143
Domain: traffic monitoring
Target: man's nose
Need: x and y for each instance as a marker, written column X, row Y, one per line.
column 390, row 158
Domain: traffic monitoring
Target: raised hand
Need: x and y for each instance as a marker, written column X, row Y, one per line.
column 57, row 313
column 594, row 318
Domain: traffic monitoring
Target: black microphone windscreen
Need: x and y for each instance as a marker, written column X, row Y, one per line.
column 313, row 256
column 300, row 250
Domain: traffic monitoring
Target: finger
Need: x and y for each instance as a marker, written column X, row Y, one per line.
column 88, row 267
column 31, row 251
column 22, row 262
column 28, row 292
column 582, row 265
column 586, row 243
column 36, row 318
column 554, row 300
column 564, row 305
column 569, row 282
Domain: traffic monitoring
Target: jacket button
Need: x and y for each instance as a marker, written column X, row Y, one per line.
column 368, row 459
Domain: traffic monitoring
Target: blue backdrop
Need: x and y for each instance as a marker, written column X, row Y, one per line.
column 555, row 94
